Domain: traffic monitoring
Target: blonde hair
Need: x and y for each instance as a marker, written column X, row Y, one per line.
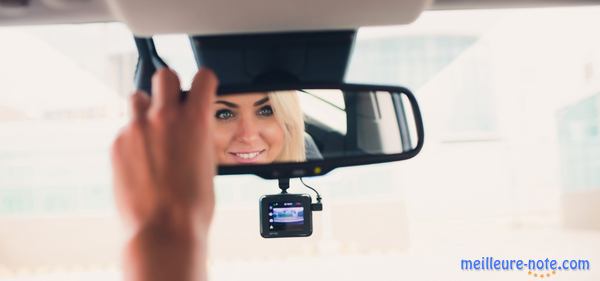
column 287, row 111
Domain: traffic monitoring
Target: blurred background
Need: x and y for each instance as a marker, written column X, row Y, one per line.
column 510, row 167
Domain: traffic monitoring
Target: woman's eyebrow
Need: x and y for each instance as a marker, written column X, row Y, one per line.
column 261, row 101
column 229, row 104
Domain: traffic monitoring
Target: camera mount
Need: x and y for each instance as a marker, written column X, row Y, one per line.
column 284, row 185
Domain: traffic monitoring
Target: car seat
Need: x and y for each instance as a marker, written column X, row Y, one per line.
column 312, row 151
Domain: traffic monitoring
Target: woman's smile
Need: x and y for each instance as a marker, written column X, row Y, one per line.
column 247, row 156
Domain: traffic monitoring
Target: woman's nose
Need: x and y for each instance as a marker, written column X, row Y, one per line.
column 247, row 130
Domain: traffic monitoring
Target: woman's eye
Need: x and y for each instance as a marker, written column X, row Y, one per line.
column 224, row 114
column 265, row 111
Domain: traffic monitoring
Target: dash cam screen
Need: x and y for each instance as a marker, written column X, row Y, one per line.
column 286, row 216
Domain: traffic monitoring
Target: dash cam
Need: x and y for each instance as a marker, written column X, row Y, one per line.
column 285, row 215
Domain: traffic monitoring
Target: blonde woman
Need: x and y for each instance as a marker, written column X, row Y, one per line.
column 259, row 128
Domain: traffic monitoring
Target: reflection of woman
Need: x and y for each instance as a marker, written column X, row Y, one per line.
column 259, row 128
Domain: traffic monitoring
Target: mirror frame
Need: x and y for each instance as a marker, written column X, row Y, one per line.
column 321, row 167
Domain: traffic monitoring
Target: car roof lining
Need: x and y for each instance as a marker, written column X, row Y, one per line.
column 38, row 12
column 506, row 4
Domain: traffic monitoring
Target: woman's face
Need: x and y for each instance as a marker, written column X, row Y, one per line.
column 246, row 130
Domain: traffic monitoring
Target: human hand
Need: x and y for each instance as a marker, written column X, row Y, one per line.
column 163, row 166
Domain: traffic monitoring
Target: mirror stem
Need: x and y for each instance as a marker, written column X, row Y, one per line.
column 148, row 62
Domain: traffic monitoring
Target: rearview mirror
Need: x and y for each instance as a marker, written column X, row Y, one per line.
column 282, row 112
column 290, row 131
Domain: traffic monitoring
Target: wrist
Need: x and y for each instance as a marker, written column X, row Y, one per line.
column 167, row 247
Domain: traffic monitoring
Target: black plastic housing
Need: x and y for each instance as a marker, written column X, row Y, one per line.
column 271, row 58
column 267, row 200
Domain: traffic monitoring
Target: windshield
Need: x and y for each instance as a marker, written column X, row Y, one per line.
column 511, row 107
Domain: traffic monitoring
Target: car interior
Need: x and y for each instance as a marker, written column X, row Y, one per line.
column 433, row 132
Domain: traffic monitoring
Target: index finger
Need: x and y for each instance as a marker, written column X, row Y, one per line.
column 201, row 96
column 165, row 89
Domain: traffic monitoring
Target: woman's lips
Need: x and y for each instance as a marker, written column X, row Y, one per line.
column 247, row 156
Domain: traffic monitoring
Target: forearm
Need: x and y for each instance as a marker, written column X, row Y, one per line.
column 167, row 249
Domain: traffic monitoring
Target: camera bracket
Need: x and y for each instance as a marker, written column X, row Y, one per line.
column 284, row 185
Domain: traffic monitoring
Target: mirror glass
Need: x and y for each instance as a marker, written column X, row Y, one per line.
column 311, row 124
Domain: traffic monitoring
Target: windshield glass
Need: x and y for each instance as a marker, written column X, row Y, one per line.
column 511, row 107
